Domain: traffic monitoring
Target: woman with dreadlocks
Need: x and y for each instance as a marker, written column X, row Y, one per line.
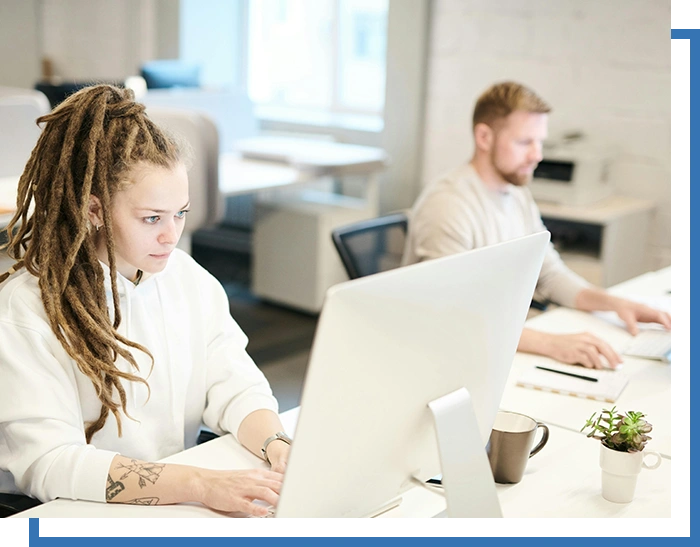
column 114, row 345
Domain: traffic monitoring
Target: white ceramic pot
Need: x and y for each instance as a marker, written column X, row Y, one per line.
column 620, row 470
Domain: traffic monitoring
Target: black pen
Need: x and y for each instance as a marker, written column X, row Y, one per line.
column 581, row 376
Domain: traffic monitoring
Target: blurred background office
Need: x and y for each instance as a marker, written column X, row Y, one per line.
column 403, row 76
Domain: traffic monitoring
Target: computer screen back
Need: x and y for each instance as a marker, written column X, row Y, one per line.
column 385, row 346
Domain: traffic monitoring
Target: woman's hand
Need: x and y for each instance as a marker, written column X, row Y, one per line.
column 231, row 491
column 278, row 453
column 150, row 483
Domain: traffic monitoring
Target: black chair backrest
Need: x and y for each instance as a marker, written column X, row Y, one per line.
column 371, row 246
column 57, row 93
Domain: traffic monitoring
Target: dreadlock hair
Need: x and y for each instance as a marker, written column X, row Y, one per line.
column 88, row 146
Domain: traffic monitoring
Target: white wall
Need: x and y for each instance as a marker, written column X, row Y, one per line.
column 97, row 39
column 604, row 66
column 84, row 39
column 19, row 53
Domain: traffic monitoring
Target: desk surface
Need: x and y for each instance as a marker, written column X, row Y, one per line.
column 563, row 480
column 602, row 212
column 313, row 154
column 263, row 163
column 649, row 389
column 239, row 176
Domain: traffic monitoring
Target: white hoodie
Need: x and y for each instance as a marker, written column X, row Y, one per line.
column 201, row 372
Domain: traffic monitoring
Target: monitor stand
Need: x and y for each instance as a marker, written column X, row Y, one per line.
column 470, row 490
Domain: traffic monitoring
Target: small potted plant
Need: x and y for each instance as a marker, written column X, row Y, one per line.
column 622, row 441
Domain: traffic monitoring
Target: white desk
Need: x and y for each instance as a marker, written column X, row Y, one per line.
column 272, row 162
column 649, row 390
column 563, row 480
column 238, row 176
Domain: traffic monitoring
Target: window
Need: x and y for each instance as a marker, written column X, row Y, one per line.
column 318, row 54
column 210, row 37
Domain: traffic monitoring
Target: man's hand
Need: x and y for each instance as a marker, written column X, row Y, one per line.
column 595, row 299
column 634, row 312
column 575, row 349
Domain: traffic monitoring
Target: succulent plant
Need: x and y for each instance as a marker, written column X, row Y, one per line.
column 624, row 433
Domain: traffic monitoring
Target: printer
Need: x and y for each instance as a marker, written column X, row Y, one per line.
column 573, row 174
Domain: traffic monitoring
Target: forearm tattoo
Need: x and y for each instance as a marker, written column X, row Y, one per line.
column 144, row 501
column 146, row 471
column 113, row 488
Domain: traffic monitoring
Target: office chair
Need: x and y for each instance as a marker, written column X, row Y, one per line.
column 371, row 246
column 59, row 92
column 14, row 503
column 376, row 245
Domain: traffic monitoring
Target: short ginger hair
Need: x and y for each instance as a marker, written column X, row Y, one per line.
column 501, row 99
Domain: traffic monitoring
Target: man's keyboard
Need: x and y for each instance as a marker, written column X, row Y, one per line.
column 650, row 344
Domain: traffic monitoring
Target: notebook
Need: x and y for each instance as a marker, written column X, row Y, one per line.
column 608, row 387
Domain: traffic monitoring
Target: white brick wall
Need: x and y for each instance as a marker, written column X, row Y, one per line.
column 604, row 66
column 97, row 39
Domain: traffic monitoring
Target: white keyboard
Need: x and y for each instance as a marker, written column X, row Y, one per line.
column 651, row 344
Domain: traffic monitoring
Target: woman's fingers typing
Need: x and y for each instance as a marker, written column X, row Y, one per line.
column 231, row 491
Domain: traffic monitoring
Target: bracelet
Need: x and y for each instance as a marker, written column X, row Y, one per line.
column 281, row 436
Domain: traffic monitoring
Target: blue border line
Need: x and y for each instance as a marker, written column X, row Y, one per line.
column 36, row 541
column 689, row 34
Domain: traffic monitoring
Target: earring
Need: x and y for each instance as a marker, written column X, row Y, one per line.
column 97, row 227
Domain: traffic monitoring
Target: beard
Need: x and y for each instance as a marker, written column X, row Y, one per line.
column 516, row 177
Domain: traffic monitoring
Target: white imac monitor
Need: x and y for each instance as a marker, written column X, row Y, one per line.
column 386, row 347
